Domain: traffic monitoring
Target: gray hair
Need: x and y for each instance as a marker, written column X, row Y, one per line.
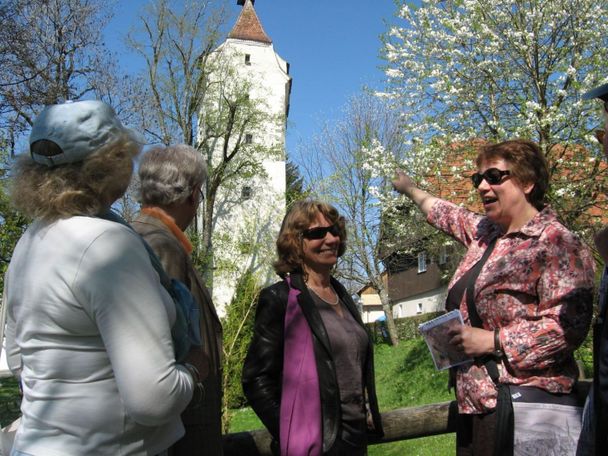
column 169, row 175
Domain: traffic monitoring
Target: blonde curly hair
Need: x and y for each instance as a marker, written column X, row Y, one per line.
column 84, row 188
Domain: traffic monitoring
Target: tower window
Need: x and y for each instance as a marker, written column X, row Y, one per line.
column 248, row 138
column 246, row 193
column 247, row 59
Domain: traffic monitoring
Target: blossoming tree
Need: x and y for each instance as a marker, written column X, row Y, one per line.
column 496, row 70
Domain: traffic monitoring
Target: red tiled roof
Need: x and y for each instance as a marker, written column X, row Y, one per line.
column 451, row 180
column 248, row 26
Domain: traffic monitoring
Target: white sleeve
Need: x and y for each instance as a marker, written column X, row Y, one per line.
column 118, row 286
column 13, row 354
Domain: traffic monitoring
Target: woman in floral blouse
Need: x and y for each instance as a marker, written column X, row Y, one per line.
column 533, row 294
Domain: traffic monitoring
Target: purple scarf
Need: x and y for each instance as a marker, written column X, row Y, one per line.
column 300, row 420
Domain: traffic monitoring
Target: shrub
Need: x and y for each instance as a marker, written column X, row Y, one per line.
column 238, row 330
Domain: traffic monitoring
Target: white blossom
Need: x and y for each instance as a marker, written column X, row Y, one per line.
column 465, row 69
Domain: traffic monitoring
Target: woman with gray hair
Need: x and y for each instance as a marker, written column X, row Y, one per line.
column 171, row 180
column 88, row 321
column 170, row 174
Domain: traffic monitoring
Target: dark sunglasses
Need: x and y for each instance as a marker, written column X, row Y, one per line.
column 321, row 231
column 492, row 176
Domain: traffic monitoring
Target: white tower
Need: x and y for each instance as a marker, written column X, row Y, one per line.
column 248, row 213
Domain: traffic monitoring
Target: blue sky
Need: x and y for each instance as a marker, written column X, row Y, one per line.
column 332, row 47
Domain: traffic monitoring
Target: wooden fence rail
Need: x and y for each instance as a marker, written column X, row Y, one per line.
column 400, row 424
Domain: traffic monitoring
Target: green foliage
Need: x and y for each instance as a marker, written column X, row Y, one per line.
column 584, row 353
column 10, row 400
column 407, row 328
column 200, row 258
column 295, row 184
column 12, row 223
column 238, row 329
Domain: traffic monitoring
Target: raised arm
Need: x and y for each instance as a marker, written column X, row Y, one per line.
column 404, row 184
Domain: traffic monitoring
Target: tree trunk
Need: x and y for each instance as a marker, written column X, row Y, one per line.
column 388, row 312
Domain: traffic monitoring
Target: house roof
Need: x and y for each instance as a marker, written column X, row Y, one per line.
column 248, row 26
column 368, row 288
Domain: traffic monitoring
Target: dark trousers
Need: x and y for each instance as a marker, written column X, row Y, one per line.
column 475, row 434
column 342, row 448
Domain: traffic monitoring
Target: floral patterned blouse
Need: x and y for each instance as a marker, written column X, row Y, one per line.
column 536, row 286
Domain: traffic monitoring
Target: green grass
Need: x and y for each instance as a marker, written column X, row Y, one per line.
column 405, row 377
column 9, row 400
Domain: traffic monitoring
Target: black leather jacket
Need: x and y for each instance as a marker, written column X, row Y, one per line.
column 263, row 366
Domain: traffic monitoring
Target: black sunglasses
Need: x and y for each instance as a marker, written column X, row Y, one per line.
column 493, row 176
column 321, row 231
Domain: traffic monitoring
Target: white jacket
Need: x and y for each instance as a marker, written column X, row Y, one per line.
column 88, row 330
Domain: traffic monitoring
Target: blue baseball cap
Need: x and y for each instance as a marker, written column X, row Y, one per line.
column 79, row 128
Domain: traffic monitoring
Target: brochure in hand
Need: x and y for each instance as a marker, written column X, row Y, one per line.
column 435, row 333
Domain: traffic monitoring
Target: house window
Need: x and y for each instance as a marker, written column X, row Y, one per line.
column 247, row 59
column 246, row 193
column 422, row 262
column 443, row 255
column 248, row 138
column 419, row 308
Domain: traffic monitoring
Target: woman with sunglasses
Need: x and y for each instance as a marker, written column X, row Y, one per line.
column 309, row 371
column 533, row 294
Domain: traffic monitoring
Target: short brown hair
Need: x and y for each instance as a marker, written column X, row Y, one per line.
column 528, row 165
column 289, row 243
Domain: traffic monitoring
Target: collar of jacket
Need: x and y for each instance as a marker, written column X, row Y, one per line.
column 169, row 222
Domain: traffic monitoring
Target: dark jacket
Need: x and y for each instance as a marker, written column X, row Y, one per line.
column 203, row 423
column 263, row 366
column 600, row 371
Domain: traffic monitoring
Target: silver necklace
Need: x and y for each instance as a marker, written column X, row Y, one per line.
column 324, row 300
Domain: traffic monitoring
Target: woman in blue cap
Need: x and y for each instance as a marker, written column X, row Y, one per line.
column 89, row 323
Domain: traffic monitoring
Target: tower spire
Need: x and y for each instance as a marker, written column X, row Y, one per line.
column 248, row 26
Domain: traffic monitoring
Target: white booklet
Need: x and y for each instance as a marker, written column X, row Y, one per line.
column 435, row 333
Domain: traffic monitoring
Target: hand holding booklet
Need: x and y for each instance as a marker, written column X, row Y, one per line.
column 436, row 335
